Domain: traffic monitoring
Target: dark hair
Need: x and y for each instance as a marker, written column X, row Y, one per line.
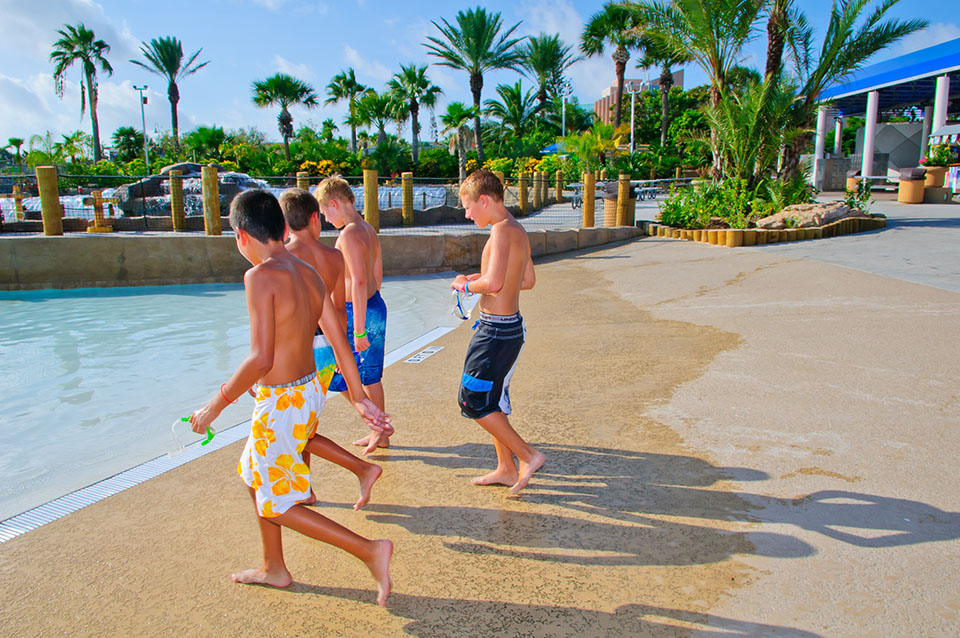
column 298, row 207
column 257, row 213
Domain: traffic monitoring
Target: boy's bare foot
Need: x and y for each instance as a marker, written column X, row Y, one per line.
column 497, row 477
column 366, row 442
column 370, row 476
column 274, row 578
column 379, row 566
column 527, row 470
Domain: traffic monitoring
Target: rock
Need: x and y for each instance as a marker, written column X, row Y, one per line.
column 187, row 168
column 809, row 215
column 128, row 194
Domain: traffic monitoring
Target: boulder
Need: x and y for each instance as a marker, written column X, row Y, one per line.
column 128, row 194
column 187, row 168
column 809, row 215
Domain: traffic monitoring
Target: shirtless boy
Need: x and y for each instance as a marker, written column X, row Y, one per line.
column 363, row 276
column 286, row 300
column 302, row 214
column 505, row 270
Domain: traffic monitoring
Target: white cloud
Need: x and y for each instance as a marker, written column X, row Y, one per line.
column 292, row 6
column 299, row 71
column 934, row 34
column 365, row 67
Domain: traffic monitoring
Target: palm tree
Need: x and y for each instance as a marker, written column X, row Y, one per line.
column 412, row 87
column 847, row 44
column 72, row 146
column 778, row 24
column 515, row 109
column 165, row 58
column 344, row 86
column 476, row 46
column 614, row 25
column 286, row 91
column 546, row 57
column 377, row 110
column 455, row 121
column 128, row 142
column 15, row 143
column 658, row 56
column 77, row 44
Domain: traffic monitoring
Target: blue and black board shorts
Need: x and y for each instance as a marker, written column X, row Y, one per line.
column 491, row 359
column 370, row 361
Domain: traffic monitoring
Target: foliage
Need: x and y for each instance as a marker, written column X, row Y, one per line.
column 128, row 142
column 617, row 25
column 344, row 87
column 134, row 168
column 285, row 91
column 733, row 201
column 546, row 58
column 411, row 89
column 390, row 157
column 204, row 141
column 436, row 161
column 859, row 199
column 515, row 109
column 938, row 155
column 499, row 165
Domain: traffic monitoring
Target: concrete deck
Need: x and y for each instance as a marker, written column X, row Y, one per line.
column 739, row 442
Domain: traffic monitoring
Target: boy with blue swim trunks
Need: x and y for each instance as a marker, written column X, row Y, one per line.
column 505, row 270
column 286, row 299
column 363, row 276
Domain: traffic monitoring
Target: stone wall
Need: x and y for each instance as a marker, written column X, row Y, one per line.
column 82, row 260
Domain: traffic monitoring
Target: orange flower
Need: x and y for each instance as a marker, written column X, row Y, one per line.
column 262, row 435
column 262, row 393
column 257, row 481
column 289, row 396
column 267, row 511
column 287, row 475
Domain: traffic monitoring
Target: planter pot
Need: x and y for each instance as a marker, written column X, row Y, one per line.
column 697, row 235
column 935, row 176
column 734, row 237
column 910, row 191
column 676, row 233
column 773, row 236
column 662, row 231
column 792, row 234
column 651, row 230
column 713, row 236
column 722, row 237
column 853, row 183
column 750, row 237
column 762, row 237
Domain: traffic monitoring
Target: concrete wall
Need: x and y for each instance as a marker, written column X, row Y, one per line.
column 87, row 260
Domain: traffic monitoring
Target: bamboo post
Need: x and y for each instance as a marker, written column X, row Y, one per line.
column 524, row 204
column 50, row 208
column 559, row 186
column 17, row 202
column 303, row 180
column 677, row 173
column 211, row 200
column 603, row 175
column 406, row 180
column 537, row 184
column 589, row 198
column 623, row 200
column 176, row 201
column 545, row 197
column 371, row 202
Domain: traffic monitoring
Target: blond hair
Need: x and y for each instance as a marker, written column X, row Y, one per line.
column 482, row 182
column 334, row 187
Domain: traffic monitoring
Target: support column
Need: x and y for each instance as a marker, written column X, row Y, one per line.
column 210, row 186
column 870, row 133
column 819, row 143
column 838, row 136
column 371, row 199
column 50, row 208
column 406, row 182
column 589, row 197
column 940, row 101
column 925, row 130
column 176, row 201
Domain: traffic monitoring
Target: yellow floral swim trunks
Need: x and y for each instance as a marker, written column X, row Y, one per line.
column 284, row 418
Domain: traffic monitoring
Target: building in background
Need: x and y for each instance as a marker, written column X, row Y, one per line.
column 608, row 98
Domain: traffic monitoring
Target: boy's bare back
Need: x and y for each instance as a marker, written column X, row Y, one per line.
column 285, row 298
column 361, row 251
column 506, row 254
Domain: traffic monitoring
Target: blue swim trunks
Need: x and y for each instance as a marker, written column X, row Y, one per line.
column 325, row 360
column 489, row 365
column 370, row 361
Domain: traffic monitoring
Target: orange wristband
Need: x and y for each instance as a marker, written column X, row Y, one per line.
column 222, row 385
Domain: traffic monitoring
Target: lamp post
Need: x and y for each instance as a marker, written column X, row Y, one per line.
column 143, row 123
column 633, row 87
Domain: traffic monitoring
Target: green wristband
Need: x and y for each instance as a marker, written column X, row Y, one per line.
column 360, row 335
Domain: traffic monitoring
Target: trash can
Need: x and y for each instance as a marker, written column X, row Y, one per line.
column 911, row 186
column 610, row 192
column 853, row 180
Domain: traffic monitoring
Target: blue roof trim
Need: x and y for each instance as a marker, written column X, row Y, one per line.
column 935, row 60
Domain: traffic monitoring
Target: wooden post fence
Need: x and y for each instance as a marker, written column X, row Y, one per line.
column 371, row 201
column 176, row 201
column 50, row 208
column 210, row 186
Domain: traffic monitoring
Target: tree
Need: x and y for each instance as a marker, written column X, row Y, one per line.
column 849, row 41
column 475, row 45
column 412, row 87
column 377, row 110
column 15, row 143
column 327, row 127
column 455, row 121
column 78, row 44
column 778, row 25
column 515, row 109
column 615, row 25
column 547, row 58
column 165, row 58
column 344, row 86
column 656, row 55
column 128, row 143
column 204, row 142
column 284, row 90
column 73, row 146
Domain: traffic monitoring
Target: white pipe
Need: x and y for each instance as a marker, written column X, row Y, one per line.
column 926, row 129
column 940, row 101
column 870, row 133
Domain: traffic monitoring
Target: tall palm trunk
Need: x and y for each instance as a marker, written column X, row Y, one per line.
column 666, row 81
column 173, row 95
column 92, row 99
column 620, row 57
column 415, row 131
column 476, row 86
column 462, row 133
column 776, row 36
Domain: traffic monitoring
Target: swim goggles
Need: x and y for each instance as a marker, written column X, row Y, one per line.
column 460, row 308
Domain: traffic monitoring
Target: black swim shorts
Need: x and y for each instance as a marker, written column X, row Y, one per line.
column 491, row 360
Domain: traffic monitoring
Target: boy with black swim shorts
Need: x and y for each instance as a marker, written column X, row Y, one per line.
column 505, row 269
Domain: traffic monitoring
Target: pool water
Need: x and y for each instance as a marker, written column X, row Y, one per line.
column 94, row 378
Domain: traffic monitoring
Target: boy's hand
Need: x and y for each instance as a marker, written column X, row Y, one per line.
column 361, row 344
column 377, row 419
column 203, row 418
column 459, row 282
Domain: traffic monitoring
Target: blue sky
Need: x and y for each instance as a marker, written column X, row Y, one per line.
column 248, row 40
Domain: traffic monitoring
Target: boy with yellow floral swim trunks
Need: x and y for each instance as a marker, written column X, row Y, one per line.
column 286, row 299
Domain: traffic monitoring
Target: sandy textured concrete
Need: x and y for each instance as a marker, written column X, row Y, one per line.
column 738, row 443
